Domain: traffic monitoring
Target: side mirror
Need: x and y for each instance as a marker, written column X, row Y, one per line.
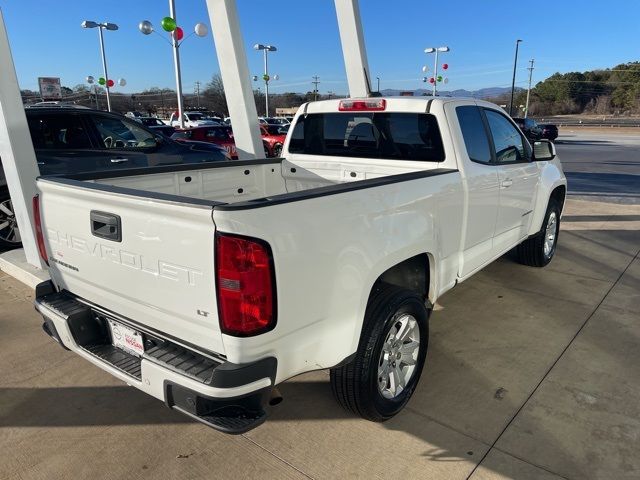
column 543, row 150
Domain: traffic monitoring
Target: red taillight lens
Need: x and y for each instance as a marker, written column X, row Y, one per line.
column 245, row 286
column 38, row 224
column 364, row 105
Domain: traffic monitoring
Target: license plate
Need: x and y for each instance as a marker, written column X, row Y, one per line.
column 126, row 338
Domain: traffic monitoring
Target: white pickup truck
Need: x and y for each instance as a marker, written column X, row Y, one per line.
column 207, row 285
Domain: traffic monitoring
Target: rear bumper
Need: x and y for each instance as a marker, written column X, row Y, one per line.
column 226, row 396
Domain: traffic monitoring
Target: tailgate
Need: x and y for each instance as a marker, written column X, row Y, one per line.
column 160, row 273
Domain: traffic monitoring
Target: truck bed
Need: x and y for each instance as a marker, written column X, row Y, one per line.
column 245, row 182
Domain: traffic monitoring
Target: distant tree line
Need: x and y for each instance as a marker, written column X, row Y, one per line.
column 614, row 91
column 163, row 101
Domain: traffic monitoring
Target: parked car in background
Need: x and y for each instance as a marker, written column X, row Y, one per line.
column 156, row 125
column 549, row 131
column 529, row 127
column 221, row 135
column 274, row 136
column 193, row 119
column 134, row 114
column 71, row 140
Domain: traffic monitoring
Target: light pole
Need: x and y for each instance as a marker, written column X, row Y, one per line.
column 265, row 77
column 378, row 80
column 176, row 33
column 100, row 27
column 435, row 50
column 513, row 82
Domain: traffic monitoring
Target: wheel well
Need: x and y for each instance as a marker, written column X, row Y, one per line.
column 559, row 194
column 412, row 274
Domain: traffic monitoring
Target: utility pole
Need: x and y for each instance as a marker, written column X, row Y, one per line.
column 198, row 92
column 316, row 81
column 530, row 68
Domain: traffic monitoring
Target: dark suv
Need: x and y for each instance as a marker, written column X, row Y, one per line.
column 529, row 127
column 73, row 140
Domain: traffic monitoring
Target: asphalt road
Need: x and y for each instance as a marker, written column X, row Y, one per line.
column 603, row 166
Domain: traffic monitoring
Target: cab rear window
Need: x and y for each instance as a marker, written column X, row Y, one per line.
column 393, row 136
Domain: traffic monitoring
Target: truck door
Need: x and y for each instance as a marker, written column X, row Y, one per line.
column 481, row 177
column 518, row 177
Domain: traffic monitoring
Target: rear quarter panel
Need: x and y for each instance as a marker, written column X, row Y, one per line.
column 328, row 252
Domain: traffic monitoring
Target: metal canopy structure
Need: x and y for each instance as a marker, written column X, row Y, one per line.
column 16, row 149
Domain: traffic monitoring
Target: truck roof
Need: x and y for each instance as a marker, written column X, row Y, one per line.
column 393, row 104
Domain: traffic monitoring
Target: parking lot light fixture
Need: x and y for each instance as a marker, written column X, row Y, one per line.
column 100, row 27
column 513, row 81
column 436, row 50
column 265, row 49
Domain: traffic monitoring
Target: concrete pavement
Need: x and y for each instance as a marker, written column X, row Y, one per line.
column 531, row 373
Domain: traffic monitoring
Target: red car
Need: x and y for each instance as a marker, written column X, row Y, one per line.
column 220, row 135
column 273, row 136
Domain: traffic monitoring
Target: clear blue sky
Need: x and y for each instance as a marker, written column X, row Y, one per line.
column 564, row 35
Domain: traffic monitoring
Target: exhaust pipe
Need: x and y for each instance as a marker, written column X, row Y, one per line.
column 276, row 397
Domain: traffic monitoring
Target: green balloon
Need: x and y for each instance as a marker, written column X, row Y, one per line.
column 439, row 78
column 265, row 78
column 102, row 81
column 168, row 24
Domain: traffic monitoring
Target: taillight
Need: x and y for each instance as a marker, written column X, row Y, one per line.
column 245, row 285
column 42, row 249
column 363, row 105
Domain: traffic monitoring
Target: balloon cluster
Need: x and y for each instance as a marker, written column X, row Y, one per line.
column 108, row 82
column 169, row 25
column 439, row 78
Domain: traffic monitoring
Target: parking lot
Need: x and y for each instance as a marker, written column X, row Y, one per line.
column 531, row 373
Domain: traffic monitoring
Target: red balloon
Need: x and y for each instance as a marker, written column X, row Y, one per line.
column 110, row 83
column 445, row 66
column 178, row 33
column 432, row 80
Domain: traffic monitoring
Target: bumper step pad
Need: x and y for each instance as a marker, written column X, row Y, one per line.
column 123, row 361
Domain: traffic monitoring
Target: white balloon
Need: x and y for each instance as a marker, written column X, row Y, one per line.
column 446, row 80
column 122, row 82
column 276, row 77
column 90, row 79
column 145, row 27
column 201, row 29
column 425, row 69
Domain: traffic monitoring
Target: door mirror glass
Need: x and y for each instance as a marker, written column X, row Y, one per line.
column 544, row 150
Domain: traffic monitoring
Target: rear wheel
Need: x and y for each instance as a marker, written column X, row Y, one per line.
column 537, row 251
column 381, row 378
column 277, row 149
column 9, row 233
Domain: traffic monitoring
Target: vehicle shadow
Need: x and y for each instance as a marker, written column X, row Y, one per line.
column 584, row 183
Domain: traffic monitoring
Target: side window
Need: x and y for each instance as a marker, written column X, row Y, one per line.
column 58, row 132
column 117, row 133
column 474, row 133
column 508, row 142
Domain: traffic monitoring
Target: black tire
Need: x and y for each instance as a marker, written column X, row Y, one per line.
column 277, row 149
column 355, row 385
column 531, row 252
column 7, row 242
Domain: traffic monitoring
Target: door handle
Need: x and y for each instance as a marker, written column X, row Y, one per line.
column 119, row 160
column 507, row 182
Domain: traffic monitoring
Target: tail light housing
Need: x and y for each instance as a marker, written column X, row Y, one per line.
column 245, row 285
column 363, row 105
column 42, row 249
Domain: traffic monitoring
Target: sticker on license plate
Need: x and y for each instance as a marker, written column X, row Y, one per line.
column 126, row 338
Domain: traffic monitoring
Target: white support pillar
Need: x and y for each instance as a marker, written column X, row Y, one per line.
column 353, row 48
column 16, row 149
column 236, row 79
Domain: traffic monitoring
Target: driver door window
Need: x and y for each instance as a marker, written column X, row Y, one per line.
column 508, row 142
column 115, row 133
